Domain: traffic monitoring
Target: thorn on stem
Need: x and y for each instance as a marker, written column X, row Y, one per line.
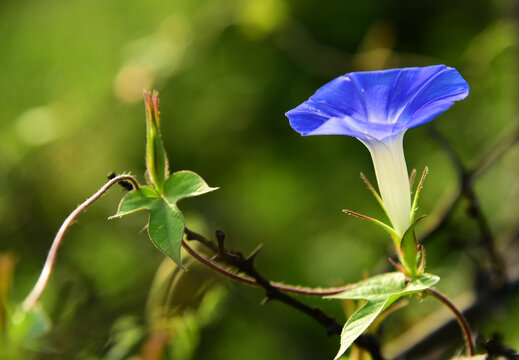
column 252, row 256
column 220, row 237
column 265, row 300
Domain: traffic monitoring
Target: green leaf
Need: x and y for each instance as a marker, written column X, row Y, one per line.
column 421, row 282
column 380, row 292
column 183, row 184
column 139, row 199
column 383, row 285
column 359, row 322
column 166, row 223
column 166, row 229
column 386, row 285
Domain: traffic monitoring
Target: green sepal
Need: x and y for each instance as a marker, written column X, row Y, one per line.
column 375, row 194
column 389, row 229
column 380, row 292
column 414, row 206
column 408, row 251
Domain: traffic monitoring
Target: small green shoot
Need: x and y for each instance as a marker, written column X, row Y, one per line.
column 160, row 197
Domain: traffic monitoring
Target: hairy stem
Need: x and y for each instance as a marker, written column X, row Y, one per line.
column 41, row 284
column 464, row 325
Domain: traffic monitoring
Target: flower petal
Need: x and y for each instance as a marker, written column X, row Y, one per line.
column 339, row 99
column 379, row 104
column 357, row 128
column 425, row 93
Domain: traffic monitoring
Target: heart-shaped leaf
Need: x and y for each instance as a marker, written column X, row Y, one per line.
column 184, row 184
column 166, row 229
column 142, row 198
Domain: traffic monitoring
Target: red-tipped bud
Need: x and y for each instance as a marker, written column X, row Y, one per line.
column 156, row 158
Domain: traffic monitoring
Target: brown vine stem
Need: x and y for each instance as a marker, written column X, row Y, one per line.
column 464, row 325
column 245, row 265
column 41, row 284
column 191, row 235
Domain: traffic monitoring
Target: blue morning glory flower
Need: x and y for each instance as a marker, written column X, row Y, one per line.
column 377, row 107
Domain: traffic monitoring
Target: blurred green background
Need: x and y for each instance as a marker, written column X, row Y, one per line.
column 71, row 110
